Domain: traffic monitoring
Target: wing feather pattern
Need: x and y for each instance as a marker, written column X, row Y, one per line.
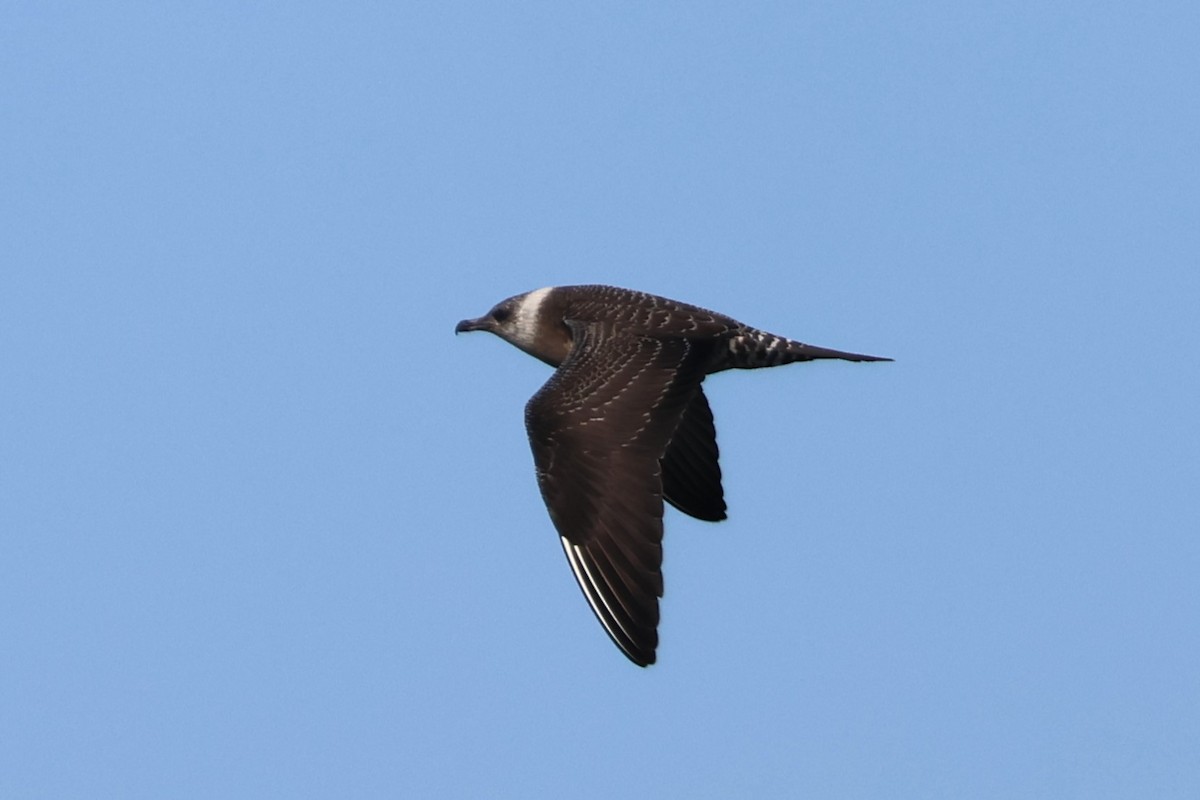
column 599, row 430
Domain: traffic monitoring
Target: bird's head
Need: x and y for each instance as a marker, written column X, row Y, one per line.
column 524, row 322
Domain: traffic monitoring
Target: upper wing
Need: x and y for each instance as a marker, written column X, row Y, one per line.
column 598, row 430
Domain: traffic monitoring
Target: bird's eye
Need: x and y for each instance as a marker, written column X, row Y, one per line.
column 501, row 314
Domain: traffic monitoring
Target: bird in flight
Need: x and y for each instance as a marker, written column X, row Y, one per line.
column 622, row 425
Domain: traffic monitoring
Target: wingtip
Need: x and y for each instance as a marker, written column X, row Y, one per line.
column 642, row 660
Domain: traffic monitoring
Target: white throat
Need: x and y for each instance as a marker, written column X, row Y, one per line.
column 528, row 313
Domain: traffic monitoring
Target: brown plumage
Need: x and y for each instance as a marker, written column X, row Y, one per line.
column 623, row 425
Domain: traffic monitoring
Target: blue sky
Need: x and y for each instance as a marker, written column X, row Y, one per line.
column 268, row 529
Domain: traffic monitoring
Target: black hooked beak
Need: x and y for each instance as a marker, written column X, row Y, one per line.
column 480, row 324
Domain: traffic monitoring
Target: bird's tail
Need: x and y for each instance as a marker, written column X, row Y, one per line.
column 754, row 348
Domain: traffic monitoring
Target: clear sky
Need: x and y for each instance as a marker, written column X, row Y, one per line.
column 269, row 529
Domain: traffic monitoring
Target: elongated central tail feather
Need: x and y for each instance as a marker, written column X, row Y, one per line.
column 754, row 349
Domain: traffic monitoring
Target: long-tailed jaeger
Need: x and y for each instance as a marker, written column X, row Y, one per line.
column 622, row 425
